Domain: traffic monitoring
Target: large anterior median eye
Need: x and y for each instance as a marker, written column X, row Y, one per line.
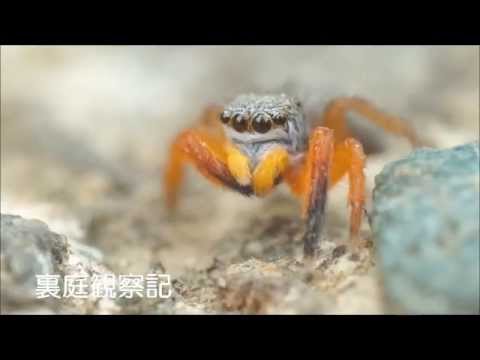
column 262, row 123
column 240, row 123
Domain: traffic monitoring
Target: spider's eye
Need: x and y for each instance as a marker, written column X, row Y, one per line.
column 261, row 123
column 225, row 117
column 240, row 123
column 279, row 119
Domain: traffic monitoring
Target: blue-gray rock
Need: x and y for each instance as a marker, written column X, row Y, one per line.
column 425, row 220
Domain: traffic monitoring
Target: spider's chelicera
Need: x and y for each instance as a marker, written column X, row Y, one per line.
column 256, row 142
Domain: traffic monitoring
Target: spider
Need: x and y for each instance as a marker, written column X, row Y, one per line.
column 258, row 141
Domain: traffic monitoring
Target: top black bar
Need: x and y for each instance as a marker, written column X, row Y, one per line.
column 245, row 26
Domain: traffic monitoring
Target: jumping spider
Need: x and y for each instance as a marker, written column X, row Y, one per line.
column 257, row 141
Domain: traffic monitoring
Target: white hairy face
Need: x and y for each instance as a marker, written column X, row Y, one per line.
column 254, row 119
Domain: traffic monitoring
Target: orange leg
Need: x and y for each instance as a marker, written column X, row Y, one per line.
column 349, row 158
column 334, row 117
column 206, row 148
column 309, row 179
column 207, row 154
column 323, row 166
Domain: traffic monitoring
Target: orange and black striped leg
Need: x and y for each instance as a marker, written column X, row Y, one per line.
column 309, row 179
column 334, row 117
column 349, row 158
column 209, row 156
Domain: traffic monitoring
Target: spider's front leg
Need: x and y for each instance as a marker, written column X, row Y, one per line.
column 206, row 148
column 309, row 180
column 324, row 165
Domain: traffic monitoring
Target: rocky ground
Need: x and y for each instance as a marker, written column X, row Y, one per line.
column 83, row 138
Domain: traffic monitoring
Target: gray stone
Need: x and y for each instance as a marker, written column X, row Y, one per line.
column 425, row 220
column 28, row 248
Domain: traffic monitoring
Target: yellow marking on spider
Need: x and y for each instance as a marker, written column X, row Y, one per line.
column 273, row 165
column 239, row 165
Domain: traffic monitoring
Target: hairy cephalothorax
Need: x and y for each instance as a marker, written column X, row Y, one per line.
column 256, row 124
column 257, row 141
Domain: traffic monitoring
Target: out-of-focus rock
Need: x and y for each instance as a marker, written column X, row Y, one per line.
column 29, row 249
column 425, row 220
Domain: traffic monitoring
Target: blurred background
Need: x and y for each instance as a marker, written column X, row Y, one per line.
column 84, row 129
column 117, row 98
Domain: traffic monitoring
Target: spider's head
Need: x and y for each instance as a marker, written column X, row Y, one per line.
column 264, row 118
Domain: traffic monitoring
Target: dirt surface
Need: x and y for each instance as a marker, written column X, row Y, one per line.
column 83, row 145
